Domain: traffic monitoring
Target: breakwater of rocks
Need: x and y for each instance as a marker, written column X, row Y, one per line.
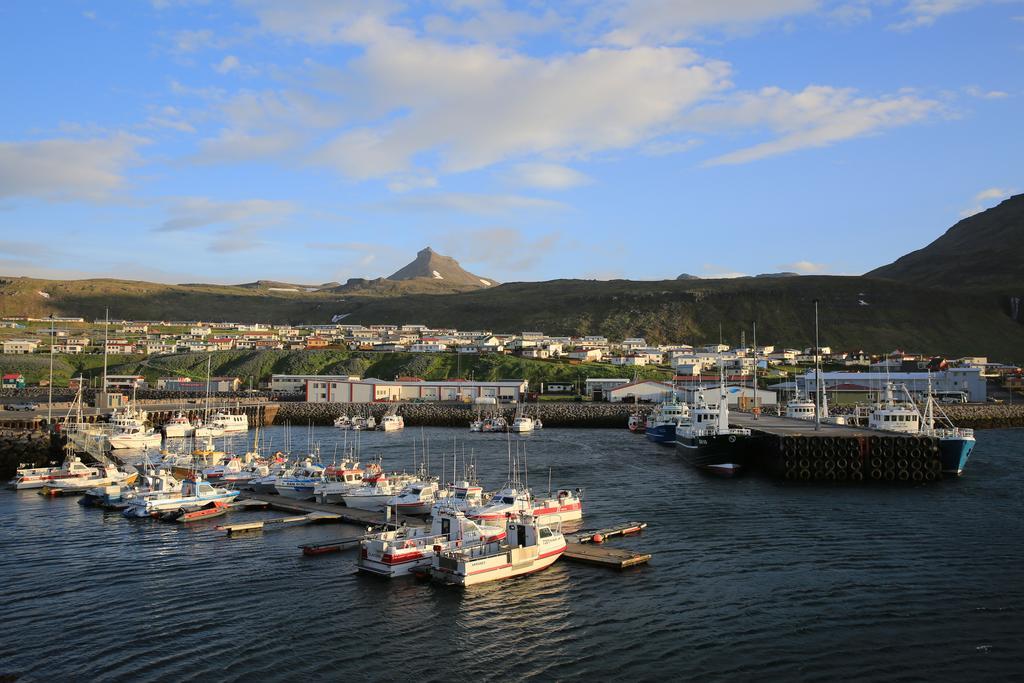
column 32, row 447
column 569, row 414
column 460, row 415
column 989, row 416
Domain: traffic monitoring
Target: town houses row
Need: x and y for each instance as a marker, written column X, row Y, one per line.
column 75, row 336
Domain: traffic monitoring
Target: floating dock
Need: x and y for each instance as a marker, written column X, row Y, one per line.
column 604, row 556
column 279, row 522
column 344, row 514
column 793, row 449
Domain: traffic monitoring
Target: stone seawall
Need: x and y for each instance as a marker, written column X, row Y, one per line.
column 460, row 415
column 613, row 415
column 34, row 447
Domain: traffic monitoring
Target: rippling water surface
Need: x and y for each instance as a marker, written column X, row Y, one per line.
column 751, row 578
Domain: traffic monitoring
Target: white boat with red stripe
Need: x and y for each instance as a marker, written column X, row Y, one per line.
column 528, row 547
column 565, row 506
column 38, row 477
column 398, row 552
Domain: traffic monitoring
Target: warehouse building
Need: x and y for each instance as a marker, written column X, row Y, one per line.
column 371, row 390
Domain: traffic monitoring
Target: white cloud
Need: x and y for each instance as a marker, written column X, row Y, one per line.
column 266, row 123
column 926, row 12
column 483, row 204
column 638, row 22
column 805, row 267
column 667, row 146
column 193, row 40
column 226, row 65
column 490, row 21
column 992, row 193
column 508, row 250
column 190, row 213
column 548, row 176
column 817, row 116
column 65, row 169
column 473, row 106
column 986, row 197
column 975, row 91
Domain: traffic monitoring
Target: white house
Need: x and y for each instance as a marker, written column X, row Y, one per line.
column 20, row 346
column 428, row 347
column 586, row 355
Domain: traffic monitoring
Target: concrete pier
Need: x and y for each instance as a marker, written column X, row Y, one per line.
column 793, row 449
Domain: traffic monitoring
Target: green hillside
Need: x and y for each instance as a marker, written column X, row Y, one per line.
column 259, row 365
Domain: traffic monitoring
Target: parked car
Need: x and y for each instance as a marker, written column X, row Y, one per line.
column 22, row 406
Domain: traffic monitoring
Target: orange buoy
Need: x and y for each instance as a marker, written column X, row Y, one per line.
column 597, row 538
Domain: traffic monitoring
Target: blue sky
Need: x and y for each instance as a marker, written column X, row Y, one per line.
column 311, row 141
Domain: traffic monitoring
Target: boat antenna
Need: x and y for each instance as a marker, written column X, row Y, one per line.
column 49, row 399
column 817, row 372
column 106, row 343
column 757, row 412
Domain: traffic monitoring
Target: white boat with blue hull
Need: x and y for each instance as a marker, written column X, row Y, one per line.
column 301, row 484
column 902, row 415
column 194, row 494
column 662, row 423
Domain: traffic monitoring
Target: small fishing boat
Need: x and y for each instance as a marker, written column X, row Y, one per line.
column 417, row 498
column 392, row 423
column 339, row 480
column 398, row 552
column 464, row 496
column 178, row 427
column 662, row 423
column 495, row 424
column 37, row 477
column 299, row 484
column 208, row 511
column 374, row 493
column 523, row 424
column 513, row 499
column 343, row 422
column 230, row 423
column 118, row 496
column 107, row 475
column 194, row 493
column 528, row 547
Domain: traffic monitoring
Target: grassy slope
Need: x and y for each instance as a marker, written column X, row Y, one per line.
column 905, row 316
column 261, row 364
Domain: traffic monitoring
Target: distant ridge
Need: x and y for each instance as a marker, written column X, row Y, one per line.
column 983, row 250
column 433, row 266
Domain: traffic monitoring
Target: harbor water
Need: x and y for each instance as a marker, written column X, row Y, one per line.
column 751, row 579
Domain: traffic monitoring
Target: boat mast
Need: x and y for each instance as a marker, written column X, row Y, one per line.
column 756, row 411
column 106, row 326
column 209, row 364
column 49, row 399
column 817, row 372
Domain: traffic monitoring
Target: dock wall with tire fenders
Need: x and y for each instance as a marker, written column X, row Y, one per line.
column 886, row 457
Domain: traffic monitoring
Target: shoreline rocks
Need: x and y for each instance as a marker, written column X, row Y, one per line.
column 33, row 447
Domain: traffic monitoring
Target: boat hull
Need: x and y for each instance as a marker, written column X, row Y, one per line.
column 511, row 563
column 134, row 441
column 954, row 453
column 369, row 503
column 295, row 491
column 723, row 454
column 665, row 434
